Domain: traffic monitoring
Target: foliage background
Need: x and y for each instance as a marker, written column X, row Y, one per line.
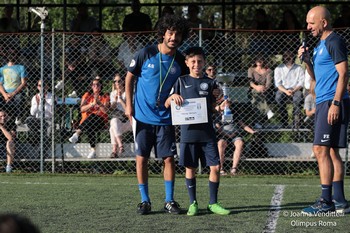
column 113, row 12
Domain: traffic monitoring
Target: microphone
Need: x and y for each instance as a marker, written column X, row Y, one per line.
column 303, row 44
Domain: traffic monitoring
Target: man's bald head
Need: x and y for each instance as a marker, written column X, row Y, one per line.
column 318, row 21
column 320, row 12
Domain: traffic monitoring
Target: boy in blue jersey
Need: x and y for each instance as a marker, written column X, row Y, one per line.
column 155, row 69
column 198, row 141
column 329, row 68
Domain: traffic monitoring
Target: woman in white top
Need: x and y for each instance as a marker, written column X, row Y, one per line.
column 119, row 122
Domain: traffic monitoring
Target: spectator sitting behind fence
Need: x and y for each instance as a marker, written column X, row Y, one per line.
column 198, row 141
column 231, row 133
column 310, row 106
column 83, row 22
column 210, row 70
column 93, row 107
column 119, row 122
column 13, row 79
column 7, row 138
column 78, row 73
column 289, row 79
column 260, row 77
column 33, row 122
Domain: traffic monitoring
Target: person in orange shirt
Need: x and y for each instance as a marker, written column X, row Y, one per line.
column 93, row 107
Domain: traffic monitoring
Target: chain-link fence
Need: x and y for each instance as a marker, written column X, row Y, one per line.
column 266, row 133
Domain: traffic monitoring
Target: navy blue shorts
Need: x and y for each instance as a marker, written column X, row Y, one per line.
column 334, row 136
column 206, row 152
column 159, row 137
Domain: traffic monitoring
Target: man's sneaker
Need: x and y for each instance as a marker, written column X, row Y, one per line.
column 218, row 209
column 193, row 209
column 270, row 114
column 144, row 207
column 320, row 206
column 172, row 207
column 92, row 154
column 8, row 169
column 74, row 138
column 341, row 207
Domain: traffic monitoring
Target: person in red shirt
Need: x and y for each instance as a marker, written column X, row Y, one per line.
column 93, row 107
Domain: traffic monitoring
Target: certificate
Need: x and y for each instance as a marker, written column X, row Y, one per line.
column 192, row 111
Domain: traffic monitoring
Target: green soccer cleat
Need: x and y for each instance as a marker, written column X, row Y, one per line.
column 193, row 209
column 218, row 209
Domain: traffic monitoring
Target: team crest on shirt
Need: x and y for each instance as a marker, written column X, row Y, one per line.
column 173, row 70
column 132, row 63
column 203, row 86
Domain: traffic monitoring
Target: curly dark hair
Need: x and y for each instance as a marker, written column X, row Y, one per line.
column 175, row 23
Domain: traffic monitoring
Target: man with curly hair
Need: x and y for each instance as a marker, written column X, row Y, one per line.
column 155, row 69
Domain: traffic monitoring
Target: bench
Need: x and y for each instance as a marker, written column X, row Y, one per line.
column 79, row 151
column 292, row 152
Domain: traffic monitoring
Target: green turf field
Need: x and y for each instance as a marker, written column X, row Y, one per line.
column 59, row 203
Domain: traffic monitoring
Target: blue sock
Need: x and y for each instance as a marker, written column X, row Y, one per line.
column 326, row 192
column 169, row 190
column 144, row 192
column 191, row 188
column 338, row 190
column 213, row 192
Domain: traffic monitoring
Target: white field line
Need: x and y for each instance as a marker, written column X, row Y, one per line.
column 275, row 209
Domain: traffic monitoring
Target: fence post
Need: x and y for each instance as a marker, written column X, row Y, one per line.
column 53, row 125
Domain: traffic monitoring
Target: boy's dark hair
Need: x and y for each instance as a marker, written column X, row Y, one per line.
column 174, row 23
column 16, row 223
column 193, row 51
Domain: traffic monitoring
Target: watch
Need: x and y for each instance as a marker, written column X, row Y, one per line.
column 336, row 102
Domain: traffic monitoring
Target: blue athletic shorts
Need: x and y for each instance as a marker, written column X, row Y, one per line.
column 334, row 136
column 206, row 152
column 159, row 137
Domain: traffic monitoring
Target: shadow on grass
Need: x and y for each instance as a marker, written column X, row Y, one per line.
column 255, row 208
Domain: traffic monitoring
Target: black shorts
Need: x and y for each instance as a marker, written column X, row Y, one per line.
column 206, row 152
column 159, row 137
column 334, row 136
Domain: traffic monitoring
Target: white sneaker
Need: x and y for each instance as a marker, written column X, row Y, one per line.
column 270, row 114
column 18, row 121
column 73, row 95
column 74, row 138
column 92, row 154
column 8, row 169
column 59, row 85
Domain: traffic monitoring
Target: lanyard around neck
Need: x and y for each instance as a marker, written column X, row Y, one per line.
column 161, row 79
